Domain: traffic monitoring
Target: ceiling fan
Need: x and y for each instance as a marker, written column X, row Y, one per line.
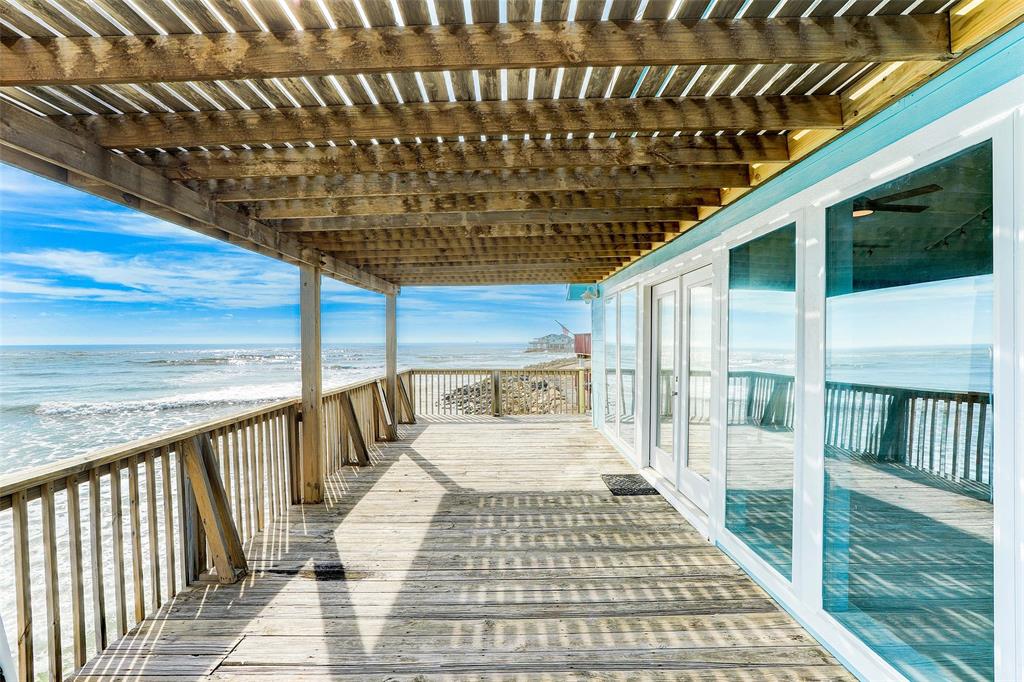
column 863, row 206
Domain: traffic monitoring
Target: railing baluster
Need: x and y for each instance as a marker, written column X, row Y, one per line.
column 135, row 530
column 155, row 595
column 50, row 564
column 77, row 582
column 99, row 599
column 117, row 538
column 23, row 586
column 168, row 500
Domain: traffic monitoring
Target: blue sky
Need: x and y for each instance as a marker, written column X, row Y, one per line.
column 76, row 269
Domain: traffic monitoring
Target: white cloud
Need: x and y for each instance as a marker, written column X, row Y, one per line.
column 208, row 280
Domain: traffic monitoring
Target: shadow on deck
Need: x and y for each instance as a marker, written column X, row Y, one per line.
column 478, row 550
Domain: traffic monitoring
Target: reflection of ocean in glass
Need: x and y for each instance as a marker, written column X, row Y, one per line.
column 762, row 354
column 908, row 560
column 627, row 364
column 610, row 360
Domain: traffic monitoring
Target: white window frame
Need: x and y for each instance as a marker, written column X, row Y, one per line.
column 998, row 115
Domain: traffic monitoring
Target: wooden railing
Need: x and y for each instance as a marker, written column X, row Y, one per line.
column 463, row 392
column 124, row 522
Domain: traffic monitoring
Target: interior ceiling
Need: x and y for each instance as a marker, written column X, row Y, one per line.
column 589, row 134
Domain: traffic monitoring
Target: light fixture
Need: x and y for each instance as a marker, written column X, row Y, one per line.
column 862, row 212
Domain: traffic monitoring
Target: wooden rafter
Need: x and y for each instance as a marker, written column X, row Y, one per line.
column 384, row 207
column 452, row 119
column 231, row 56
column 538, row 216
column 475, row 182
column 397, row 235
column 471, row 156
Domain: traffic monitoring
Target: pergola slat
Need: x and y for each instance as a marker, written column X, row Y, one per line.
column 452, row 119
column 472, row 156
column 397, row 235
column 384, row 207
column 574, row 215
column 349, row 51
column 475, row 182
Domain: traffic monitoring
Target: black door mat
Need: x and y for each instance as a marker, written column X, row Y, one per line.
column 628, row 484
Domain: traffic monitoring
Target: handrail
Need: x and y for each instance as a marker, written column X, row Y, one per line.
column 455, row 391
column 132, row 507
column 81, row 464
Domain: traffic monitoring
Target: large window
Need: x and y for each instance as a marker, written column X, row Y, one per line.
column 762, row 358
column 908, row 418
column 611, row 359
column 627, row 364
column 620, row 343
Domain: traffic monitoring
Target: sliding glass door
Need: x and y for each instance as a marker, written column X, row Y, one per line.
column 664, row 379
column 909, row 418
column 695, row 462
column 760, row 443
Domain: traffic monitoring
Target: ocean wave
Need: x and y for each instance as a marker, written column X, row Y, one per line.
column 241, row 395
column 218, row 360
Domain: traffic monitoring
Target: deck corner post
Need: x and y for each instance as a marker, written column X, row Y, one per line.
column 391, row 362
column 496, row 392
column 312, row 452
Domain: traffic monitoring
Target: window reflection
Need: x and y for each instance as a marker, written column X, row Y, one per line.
column 698, row 437
column 762, row 358
column 610, row 359
column 627, row 364
column 908, row 419
column 666, row 354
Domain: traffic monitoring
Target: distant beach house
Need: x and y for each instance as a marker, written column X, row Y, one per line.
column 552, row 343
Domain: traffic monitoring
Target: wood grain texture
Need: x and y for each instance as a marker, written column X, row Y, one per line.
column 469, row 156
column 350, row 51
column 491, row 202
column 484, row 548
column 423, row 185
column 466, row 218
column 452, row 119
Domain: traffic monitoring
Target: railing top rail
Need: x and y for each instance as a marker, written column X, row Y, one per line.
column 477, row 370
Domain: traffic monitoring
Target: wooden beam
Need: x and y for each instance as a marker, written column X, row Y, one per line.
column 571, row 241
column 381, row 208
column 32, row 142
column 451, row 119
column 350, row 51
column 480, row 280
column 475, row 182
column 572, row 215
column 485, row 259
column 470, row 156
column 311, row 466
column 381, row 236
column 391, row 360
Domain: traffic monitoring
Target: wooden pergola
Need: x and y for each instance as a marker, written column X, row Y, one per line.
column 434, row 142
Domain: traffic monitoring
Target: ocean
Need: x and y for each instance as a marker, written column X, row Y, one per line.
column 61, row 401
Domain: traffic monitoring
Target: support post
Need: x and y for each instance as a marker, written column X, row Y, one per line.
column 311, row 466
column 391, row 361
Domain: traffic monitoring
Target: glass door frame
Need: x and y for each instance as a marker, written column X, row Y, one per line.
column 657, row 458
column 693, row 485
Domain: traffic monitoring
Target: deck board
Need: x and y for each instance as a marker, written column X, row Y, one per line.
column 477, row 549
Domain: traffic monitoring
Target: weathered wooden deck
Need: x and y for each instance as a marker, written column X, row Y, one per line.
column 488, row 548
